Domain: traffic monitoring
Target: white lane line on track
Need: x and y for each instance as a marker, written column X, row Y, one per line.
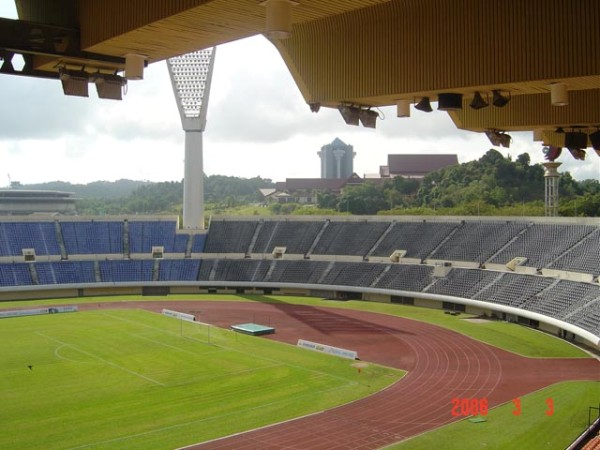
column 91, row 355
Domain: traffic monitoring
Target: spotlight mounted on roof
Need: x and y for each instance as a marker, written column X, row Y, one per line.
column 424, row 105
column 595, row 140
column 368, row 118
column 314, row 107
column 575, row 140
column 350, row 114
column 449, row 101
column 74, row 82
column 499, row 99
column 353, row 115
column 109, row 86
column 577, row 153
column 499, row 138
column 478, row 102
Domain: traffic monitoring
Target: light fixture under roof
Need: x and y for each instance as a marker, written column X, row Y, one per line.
column 134, row 66
column 499, row 99
column 279, row 18
column 424, row 105
column 559, row 94
column 110, row 86
column 595, row 140
column 575, row 140
column 74, row 82
column 478, row 102
column 577, row 153
column 403, row 108
column 499, row 138
column 351, row 114
column 449, row 101
column 368, row 118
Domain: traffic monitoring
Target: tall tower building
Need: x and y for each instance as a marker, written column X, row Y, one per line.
column 337, row 160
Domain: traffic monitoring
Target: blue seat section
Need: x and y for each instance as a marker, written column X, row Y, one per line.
column 143, row 235
column 512, row 289
column 252, row 270
column 353, row 274
column 179, row 269
column 181, row 242
column 229, row 236
column 477, row 241
column 296, row 236
column 198, row 243
column 405, row 277
column 563, row 299
column 349, row 238
column 298, row 271
column 588, row 317
column 15, row 236
column 419, row 239
column 584, row 257
column 126, row 270
column 15, row 274
column 65, row 272
column 465, row 283
column 541, row 244
column 93, row 237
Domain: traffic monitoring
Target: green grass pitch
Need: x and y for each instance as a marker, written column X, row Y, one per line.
column 533, row 428
column 129, row 379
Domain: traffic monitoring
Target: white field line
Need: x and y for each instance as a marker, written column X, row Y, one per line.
column 271, row 360
column 91, row 355
column 207, row 419
column 174, row 347
column 59, row 356
column 172, row 333
column 346, row 384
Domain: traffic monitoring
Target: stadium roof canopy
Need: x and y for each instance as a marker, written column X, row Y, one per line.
column 366, row 53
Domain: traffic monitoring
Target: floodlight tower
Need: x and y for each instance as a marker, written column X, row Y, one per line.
column 191, row 75
column 551, row 178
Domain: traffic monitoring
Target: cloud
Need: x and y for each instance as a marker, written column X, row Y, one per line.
column 38, row 109
column 258, row 124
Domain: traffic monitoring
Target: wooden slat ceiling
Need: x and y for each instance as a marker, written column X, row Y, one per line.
column 375, row 52
column 173, row 28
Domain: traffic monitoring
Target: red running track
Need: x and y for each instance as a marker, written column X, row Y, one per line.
column 441, row 365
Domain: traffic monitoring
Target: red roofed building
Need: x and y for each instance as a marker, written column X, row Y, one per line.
column 415, row 166
column 304, row 190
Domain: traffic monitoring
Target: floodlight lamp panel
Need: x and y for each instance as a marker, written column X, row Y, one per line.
column 350, row 114
column 368, row 118
column 190, row 74
column 74, row 83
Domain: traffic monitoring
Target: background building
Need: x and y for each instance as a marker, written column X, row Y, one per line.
column 22, row 202
column 415, row 166
column 305, row 190
column 337, row 160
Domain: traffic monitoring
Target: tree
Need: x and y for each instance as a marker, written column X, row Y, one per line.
column 366, row 198
column 326, row 200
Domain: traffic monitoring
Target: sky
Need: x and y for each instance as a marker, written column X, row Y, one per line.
column 258, row 124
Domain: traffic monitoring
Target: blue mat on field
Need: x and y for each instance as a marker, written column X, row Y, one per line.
column 253, row 329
